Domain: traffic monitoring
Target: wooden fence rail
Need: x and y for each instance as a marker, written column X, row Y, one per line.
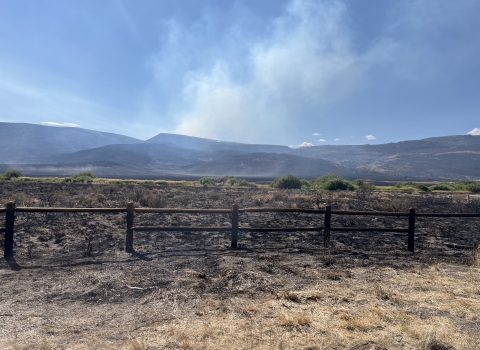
column 10, row 210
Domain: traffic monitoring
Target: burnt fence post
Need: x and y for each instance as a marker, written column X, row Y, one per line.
column 411, row 230
column 9, row 223
column 129, row 234
column 326, row 230
column 234, row 226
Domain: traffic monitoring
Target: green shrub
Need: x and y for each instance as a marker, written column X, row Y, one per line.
column 206, row 181
column 338, row 184
column 467, row 185
column 287, row 182
column 363, row 185
column 305, row 184
column 11, row 174
column 332, row 182
column 411, row 186
column 473, row 187
column 243, row 183
column 463, row 185
column 85, row 176
column 225, row 181
column 321, row 180
column 442, row 187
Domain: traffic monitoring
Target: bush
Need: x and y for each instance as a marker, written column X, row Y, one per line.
column 411, row 186
column 475, row 187
column 305, row 184
column 363, row 185
column 11, row 174
column 442, row 187
column 225, row 181
column 338, row 184
column 467, row 185
column 206, row 181
column 463, row 185
column 287, row 182
column 85, row 176
column 243, row 183
column 332, row 182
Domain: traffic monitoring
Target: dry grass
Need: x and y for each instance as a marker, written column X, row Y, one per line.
column 294, row 320
column 184, row 291
column 422, row 308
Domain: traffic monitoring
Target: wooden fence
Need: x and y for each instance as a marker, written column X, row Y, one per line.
column 10, row 211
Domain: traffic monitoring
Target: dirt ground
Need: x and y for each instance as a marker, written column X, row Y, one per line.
column 71, row 285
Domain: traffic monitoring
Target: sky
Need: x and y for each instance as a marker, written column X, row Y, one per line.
column 296, row 72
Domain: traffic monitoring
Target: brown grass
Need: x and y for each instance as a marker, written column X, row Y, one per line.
column 185, row 291
column 331, row 316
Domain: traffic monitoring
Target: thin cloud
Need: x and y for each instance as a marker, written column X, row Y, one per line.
column 316, row 134
column 70, row 125
column 370, row 137
column 322, row 140
column 475, row 132
column 336, row 140
column 132, row 27
column 306, row 144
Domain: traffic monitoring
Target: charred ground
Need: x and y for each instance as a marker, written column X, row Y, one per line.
column 72, row 285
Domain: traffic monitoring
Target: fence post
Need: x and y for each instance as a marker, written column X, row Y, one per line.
column 234, row 226
column 9, row 223
column 411, row 230
column 326, row 230
column 129, row 235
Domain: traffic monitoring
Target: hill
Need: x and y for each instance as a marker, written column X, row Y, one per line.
column 437, row 158
column 30, row 143
column 268, row 165
column 202, row 144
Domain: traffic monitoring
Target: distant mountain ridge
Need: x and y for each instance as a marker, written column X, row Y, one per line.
column 446, row 157
column 31, row 143
column 202, row 144
column 46, row 150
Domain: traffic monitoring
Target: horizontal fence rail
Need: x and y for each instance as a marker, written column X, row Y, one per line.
column 10, row 210
column 69, row 210
column 281, row 210
column 376, row 213
column 372, row 229
column 279, row 229
column 182, row 228
column 179, row 210
column 449, row 215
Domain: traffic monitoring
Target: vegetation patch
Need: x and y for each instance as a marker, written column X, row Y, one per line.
column 411, row 186
column 331, row 182
column 287, row 182
column 84, row 177
column 463, row 185
column 225, row 181
column 11, row 174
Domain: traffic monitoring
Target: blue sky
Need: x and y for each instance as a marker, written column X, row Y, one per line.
column 280, row 72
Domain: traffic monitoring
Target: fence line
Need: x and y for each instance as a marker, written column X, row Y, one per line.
column 130, row 211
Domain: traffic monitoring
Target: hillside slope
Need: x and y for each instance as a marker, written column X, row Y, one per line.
column 268, row 165
column 30, row 143
column 143, row 155
column 437, row 158
column 202, row 144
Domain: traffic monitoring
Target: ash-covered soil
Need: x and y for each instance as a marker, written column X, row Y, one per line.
column 72, row 285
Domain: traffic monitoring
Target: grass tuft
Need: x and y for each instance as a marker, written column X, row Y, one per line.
column 295, row 321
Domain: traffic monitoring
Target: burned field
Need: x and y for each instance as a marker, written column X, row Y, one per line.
column 72, row 285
